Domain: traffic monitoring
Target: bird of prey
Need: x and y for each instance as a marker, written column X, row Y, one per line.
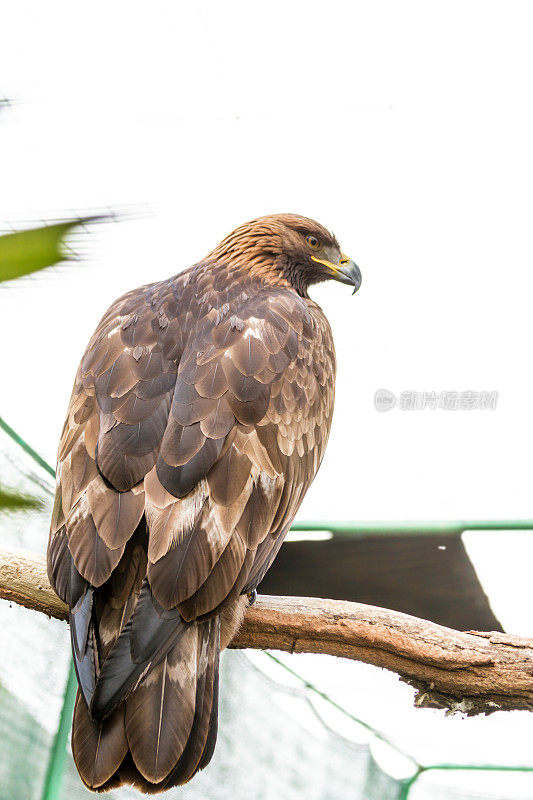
column 199, row 417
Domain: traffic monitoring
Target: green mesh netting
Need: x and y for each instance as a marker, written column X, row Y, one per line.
column 24, row 749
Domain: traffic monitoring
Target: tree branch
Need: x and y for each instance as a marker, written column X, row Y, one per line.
column 468, row 672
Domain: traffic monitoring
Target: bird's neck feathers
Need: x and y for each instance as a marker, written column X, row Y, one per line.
column 258, row 254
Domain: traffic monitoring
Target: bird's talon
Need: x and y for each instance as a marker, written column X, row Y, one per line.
column 252, row 597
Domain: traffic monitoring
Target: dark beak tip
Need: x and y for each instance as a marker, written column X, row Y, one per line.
column 355, row 275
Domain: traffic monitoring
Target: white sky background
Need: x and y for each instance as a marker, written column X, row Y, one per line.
column 404, row 127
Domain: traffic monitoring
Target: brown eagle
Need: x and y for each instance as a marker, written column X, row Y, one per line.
column 199, row 417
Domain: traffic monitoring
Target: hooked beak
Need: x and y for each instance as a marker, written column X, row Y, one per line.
column 346, row 271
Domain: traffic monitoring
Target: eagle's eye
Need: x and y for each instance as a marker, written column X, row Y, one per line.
column 312, row 241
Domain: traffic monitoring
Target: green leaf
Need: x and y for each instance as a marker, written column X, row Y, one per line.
column 12, row 501
column 27, row 251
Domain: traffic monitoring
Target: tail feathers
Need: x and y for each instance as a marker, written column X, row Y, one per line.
column 159, row 714
column 144, row 641
column 84, row 649
column 165, row 730
column 98, row 748
column 202, row 738
column 212, row 732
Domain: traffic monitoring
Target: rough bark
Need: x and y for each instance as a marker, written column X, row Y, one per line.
column 472, row 672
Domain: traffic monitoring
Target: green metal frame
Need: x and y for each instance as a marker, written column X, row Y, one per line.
column 26, row 447
column 58, row 753
column 414, row 527
column 408, row 784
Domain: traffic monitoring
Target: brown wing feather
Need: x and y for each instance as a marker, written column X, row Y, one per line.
column 270, row 384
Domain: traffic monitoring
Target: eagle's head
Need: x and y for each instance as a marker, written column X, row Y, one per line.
column 288, row 246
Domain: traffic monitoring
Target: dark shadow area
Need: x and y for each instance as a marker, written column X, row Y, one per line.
column 427, row 576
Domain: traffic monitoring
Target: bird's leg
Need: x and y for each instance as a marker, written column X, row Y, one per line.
column 252, row 597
